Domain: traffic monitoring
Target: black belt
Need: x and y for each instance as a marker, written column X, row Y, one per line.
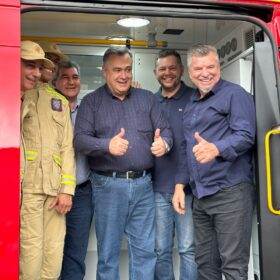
column 126, row 175
column 83, row 184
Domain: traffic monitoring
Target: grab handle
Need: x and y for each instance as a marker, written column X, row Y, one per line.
column 268, row 170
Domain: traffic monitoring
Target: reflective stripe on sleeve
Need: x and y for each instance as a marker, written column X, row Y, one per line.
column 68, row 180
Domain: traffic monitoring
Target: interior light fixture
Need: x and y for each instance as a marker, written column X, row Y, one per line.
column 133, row 22
column 119, row 38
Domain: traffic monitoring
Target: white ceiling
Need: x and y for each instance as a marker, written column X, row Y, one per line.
column 95, row 26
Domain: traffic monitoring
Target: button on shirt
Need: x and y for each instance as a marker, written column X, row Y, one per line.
column 101, row 116
column 225, row 117
column 82, row 167
column 165, row 167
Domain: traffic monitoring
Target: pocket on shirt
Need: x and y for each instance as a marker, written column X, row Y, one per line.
column 144, row 123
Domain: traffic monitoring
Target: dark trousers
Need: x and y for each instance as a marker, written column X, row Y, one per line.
column 78, row 222
column 222, row 225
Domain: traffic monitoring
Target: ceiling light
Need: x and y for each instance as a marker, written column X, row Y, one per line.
column 133, row 22
column 120, row 38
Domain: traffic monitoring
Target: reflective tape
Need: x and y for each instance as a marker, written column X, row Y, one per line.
column 57, row 159
column 68, row 180
column 56, row 94
column 31, row 155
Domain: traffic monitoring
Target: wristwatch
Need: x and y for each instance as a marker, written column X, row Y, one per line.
column 167, row 148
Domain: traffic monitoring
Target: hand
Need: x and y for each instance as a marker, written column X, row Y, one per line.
column 62, row 203
column 158, row 147
column 118, row 146
column 204, row 151
column 178, row 199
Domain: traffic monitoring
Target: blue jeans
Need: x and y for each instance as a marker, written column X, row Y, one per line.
column 78, row 222
column 124, row 206
column 167, row 222
column 223, row 224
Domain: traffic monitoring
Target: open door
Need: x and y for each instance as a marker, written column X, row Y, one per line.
column 83, row 31
column 268, row 160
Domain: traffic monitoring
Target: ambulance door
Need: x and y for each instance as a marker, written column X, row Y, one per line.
column 268, row 160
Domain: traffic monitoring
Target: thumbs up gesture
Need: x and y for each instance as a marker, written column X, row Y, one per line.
column 157, row 134
column 118, row 145
column 158, row 147
column 204, row 151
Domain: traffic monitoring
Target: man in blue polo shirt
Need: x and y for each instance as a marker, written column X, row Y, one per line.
column 172, row 97
column 121, row 129
column 219, row 129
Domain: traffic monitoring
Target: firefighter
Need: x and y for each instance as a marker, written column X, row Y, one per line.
column 53, row 53
column 33, row 61
column 48, row 177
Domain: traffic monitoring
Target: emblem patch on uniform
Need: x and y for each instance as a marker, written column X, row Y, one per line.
column 56, row 104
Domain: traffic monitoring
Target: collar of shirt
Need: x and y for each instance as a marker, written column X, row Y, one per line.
column 213, row 91
column 76, row 107
column 177, row 95
column 108, row 91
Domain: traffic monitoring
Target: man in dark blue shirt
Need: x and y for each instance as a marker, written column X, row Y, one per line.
column 219, row 130
column 121, row 129
column 172, row 97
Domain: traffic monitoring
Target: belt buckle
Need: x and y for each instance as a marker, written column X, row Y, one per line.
column 128, row 173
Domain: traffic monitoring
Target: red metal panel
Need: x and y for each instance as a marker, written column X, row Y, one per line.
column 9, row 97
column 9, row 139
column 250, row 2
column 9, row 163
column 9, row 218
column 15, row 3
column 275, row 29
column 10, row 26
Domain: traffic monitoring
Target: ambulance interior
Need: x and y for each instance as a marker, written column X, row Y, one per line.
column 85, row 36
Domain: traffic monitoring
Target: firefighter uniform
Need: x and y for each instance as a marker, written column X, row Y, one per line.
column 47, row 168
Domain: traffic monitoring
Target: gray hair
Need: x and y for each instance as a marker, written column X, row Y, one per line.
column 119, row 51
column 66, row 65
column 168, row 52
column 200, row 50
